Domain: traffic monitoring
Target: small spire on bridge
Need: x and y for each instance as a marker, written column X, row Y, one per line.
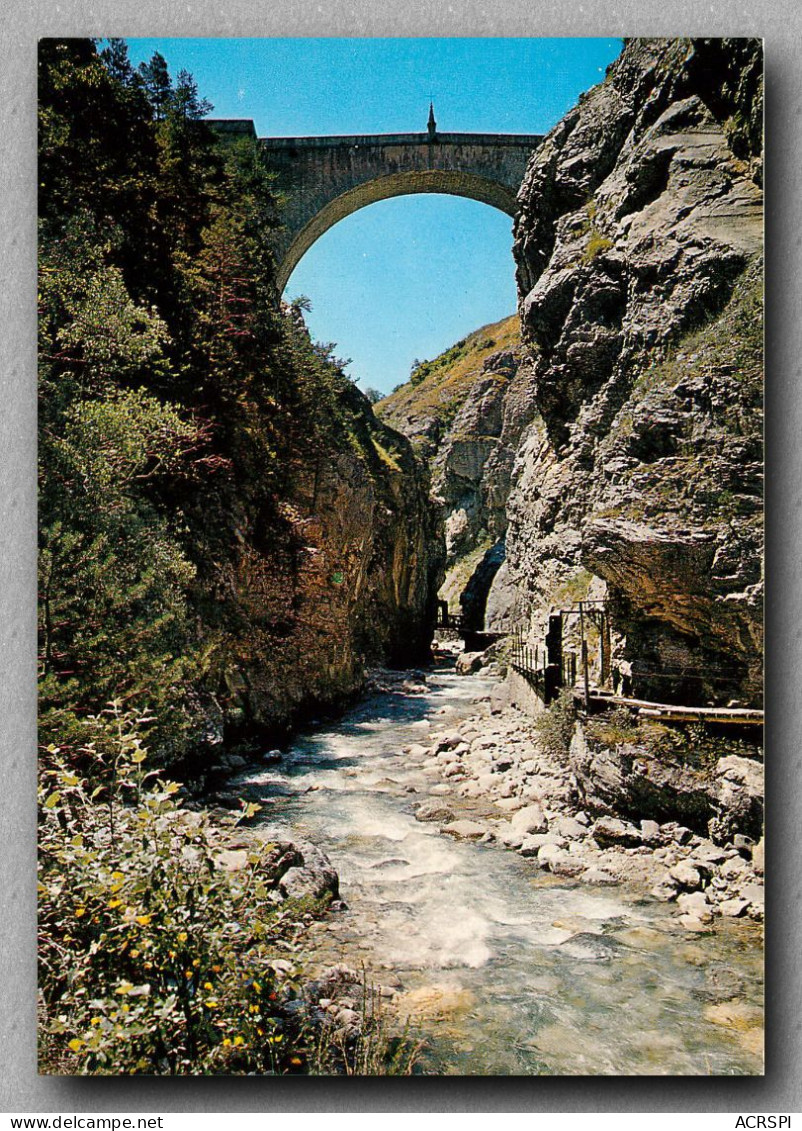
column 432, row 124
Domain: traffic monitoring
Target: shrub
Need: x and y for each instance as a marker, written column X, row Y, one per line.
column 555, row 726
column 153, row 959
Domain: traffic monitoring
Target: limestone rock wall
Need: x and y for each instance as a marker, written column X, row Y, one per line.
column 639, row 245
column 342, row 573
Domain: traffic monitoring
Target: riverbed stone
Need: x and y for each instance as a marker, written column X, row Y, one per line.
column 734, row 867
column 314, row 878
column 558, row 861
column 469, row 662
column 597, row 876
column 433, row 811
column 530, row 819
column 610, row 831
column 509, row 804
column 695, row 925
column 695, row 903
column 650, row 832
column 465, row 829
column 686, row 875
column 507, row 836
column 570, row 828
column 232, row 859
column 733, row 908
column 665, row 890
column 447, row 740
column 753, row 893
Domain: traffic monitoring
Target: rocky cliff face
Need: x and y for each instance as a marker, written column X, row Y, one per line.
column 639, row 247
column 466, row 415
column 340, row 571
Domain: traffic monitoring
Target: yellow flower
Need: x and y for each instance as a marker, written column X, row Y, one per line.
column 182, row 936
column 95, row 1021
column 226, row 1042
column 239, row 1041
column 257, row 987
column 143, row 919
column 208, row 986
column 211, row 1003
column 115, row 902
column 80, row 912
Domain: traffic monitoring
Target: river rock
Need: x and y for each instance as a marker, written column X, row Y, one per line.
column 733, row 908
column 738, row 790
column 558, row 861
column 433, row 811
column 733, row 867
column 529, row 820
column 665, row 890
column 692, row 923
column 469, row 662
column 695, row 903
column 447, row 741
column 610, row 831
column 508, row 836
column 650, row 832
column 597, row 876
column 465, row 829
column 232, row 859
column 758, row 856
column 686, row 875
column 753, row 893
column 314, row 877
column 570, row 828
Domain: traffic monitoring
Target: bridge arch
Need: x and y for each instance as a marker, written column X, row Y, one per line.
column 444, row 182
column 324, row 179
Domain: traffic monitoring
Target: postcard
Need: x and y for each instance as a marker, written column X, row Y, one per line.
column 400, row 565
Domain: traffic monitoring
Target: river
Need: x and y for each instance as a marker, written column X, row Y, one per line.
column 507, row 969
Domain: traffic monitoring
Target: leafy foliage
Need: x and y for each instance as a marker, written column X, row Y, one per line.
column 554, row 726
column 154, row 958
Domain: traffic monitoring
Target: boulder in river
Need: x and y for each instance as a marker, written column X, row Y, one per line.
column 469, row 662
column 314, row 877
column 465, row 829
column 433, row 811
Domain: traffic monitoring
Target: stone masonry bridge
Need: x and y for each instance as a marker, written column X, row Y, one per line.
column 325, row 179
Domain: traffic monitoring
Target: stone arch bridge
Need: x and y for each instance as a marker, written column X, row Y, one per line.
column 325, row 179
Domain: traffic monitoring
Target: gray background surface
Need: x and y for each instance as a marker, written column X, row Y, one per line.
column 21, row 24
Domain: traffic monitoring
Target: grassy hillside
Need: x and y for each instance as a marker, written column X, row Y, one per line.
column 425, row 406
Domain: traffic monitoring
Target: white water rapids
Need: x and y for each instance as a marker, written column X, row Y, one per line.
column 505, row 968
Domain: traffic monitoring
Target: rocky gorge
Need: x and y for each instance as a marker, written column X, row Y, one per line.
column 619, row 458
column 609, row 451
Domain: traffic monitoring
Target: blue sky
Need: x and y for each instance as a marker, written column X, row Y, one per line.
column 404, row 278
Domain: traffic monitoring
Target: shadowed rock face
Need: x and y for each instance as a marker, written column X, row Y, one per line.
column 639, row 247
column 343, row 573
